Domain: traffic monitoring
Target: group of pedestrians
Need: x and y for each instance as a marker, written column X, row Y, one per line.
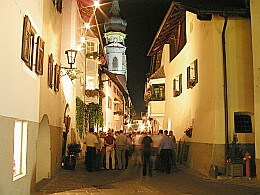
column 158, row 152
column 107, row 151
column 113, row 150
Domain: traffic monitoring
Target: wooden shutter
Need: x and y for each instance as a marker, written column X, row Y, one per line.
column 188, row 77
column 196, row 71
column 180, row 83
column 59, row 5
column 50, row 71
column 26, row 45
column 39, row 56
column 57, row 78
column 174, row 87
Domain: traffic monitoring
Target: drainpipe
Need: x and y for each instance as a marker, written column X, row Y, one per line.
column 225, row 86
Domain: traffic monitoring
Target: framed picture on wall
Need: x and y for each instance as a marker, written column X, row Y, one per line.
column 39, row 56
column 57, row 78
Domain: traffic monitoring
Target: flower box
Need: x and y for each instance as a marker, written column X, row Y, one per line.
column 176, row 93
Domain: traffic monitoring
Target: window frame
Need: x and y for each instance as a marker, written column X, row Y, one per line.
column 157, row 92
column 241, row 121
column 20, row 143
column 192, row 74
column 177, row 85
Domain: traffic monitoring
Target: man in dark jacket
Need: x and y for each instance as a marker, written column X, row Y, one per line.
column 146, row 152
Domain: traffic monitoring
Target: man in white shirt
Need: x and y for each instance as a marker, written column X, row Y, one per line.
column 91, row 143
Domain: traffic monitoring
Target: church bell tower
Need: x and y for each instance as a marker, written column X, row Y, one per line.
column 115, row 36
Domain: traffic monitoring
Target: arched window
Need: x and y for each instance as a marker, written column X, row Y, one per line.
column 115, row 63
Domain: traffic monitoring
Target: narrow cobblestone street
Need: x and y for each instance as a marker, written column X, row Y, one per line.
column 130, row 181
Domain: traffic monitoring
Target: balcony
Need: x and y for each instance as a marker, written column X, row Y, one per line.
column 152, row 97
column 157, row 108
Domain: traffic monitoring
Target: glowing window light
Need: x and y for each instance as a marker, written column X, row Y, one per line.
column 20, row 149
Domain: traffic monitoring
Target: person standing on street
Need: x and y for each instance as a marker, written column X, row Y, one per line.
column 174, row 153
column 146, row 152
column 165, row 151
column 91, row 143
column 121, row 142
column 110, row 149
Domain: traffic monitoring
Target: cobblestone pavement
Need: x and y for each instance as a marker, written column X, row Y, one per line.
column 181, row 181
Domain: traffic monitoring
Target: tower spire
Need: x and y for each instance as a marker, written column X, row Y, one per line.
column 115, row 9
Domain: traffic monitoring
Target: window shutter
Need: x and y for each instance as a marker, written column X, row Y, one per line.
column 26, row 44
column 180, row 83
column 196, row 70
column 57, row 78
column 188, row 77
column 39, row 56
column 50, row 71
column 59, row 6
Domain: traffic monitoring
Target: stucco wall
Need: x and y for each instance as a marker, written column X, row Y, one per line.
column 202, row 107
column 19, row 86
column 195, row 106
column 255, row 26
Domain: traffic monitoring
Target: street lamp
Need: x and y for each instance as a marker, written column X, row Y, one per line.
column 71, row 56
column 72, row 72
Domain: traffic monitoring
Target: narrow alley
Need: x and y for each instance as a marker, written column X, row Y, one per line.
column 130, row 181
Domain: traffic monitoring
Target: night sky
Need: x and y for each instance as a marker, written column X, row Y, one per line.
column 144, row 18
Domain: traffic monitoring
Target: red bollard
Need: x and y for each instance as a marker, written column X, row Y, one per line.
column 247, row 159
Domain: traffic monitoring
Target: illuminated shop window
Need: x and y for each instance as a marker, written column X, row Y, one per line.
column 20, row 148
column 177, row 85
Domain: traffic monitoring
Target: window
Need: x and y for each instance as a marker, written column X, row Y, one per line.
column 177, row 86
column 192, row 74
column 58, row 5
column 20, row 148
column 243, row 123
column 109, row 103
column 115, row 63
column 90, row 47
column 157, row 92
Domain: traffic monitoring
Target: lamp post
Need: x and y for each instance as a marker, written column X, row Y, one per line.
column 71, row 56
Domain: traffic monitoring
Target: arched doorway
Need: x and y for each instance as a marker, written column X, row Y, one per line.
column 43, row 150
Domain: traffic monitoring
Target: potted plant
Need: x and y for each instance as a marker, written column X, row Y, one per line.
column 70, row 160
column 74, row 148
column 235, row 165
column 188, row 131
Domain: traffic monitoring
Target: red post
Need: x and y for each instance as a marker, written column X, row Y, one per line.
column 247, row 159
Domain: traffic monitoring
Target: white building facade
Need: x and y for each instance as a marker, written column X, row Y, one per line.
column 193, row 62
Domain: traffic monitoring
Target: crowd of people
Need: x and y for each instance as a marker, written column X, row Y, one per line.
column 112, row 150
